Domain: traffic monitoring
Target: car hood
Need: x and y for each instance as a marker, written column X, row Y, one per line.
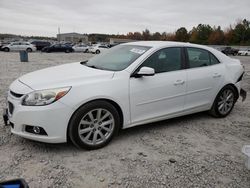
column 64, row 75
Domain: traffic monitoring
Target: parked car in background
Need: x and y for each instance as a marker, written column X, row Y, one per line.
column 81, row 48
column 98, row 48
column 40, row 44
column 18, row 46
column 244, row 52
column 112, row 45
column 131, row 84
column 69, row 43
column 3, row 44
column 58, row 48
column 229, row 51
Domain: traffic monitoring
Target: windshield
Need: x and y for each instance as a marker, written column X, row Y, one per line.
column 117, row 58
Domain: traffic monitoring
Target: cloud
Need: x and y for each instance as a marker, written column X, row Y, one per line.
column 33, row 17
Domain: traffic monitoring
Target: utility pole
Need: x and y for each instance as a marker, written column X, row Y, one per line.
column 59, row 37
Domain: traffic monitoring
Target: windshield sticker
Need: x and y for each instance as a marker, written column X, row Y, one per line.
column 138, row 51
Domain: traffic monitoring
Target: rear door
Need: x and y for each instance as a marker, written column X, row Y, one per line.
column 22, row 46
column 203, row 79
column 162, row 94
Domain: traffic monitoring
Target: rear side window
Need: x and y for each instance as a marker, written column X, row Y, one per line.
column 164, row 60
column 198, row 57
column 213, row 59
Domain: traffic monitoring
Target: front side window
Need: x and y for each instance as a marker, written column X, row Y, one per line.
column 117, row 58
column 164, row 60
column 198, row 57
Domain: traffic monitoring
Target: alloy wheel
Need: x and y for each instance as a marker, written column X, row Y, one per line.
column 226, row 101
column 96, row 126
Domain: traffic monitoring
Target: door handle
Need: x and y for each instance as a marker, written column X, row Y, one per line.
column 179, row 82
column 216, row 75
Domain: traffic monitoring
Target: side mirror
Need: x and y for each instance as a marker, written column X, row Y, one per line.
column 145, row 71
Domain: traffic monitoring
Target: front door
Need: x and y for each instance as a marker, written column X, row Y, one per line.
column 162, row 94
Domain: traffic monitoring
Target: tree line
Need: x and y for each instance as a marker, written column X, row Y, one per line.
column 239, row 34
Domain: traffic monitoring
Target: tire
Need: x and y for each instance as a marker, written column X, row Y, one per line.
column 98, row 121
column 97, row 51
column 224, row 102
column 6, row 49
column 67, row 51
column 29, row 50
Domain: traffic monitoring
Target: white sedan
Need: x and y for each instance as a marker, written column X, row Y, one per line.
column 81, row 48
column 244, row 52
column 18, row 46
column 98, row 48
column 132, row 84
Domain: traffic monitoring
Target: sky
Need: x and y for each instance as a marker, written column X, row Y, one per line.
column 43, row 17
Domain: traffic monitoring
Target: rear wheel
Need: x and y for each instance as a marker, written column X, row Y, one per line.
column 29, row 50
column 6, row 49
column 224, row 102
column 97, row 51
column 67, row 51
column 94, row 125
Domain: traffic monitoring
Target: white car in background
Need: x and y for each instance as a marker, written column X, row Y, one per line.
column 131, row 84
column 81, row 48
column 19, row 46
column 98, row 48
column 244, row 52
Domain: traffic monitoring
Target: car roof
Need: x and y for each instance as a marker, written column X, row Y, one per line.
column 159, row 44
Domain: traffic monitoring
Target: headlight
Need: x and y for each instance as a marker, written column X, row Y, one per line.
column 44, row 97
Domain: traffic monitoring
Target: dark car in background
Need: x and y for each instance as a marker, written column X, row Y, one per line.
column 58, row 48
column 40, row 44
column 230, row 51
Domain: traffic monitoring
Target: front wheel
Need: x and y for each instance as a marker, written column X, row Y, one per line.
column 94, row 125
column 224, row 102
column 97, row 51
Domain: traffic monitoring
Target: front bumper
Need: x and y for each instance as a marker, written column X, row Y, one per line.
column 52, row 118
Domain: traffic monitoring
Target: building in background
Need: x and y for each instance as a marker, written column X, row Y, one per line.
column 119, row 41
column 72, row 37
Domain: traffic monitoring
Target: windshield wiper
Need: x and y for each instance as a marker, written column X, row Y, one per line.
column 83, row 62
column 91, row 66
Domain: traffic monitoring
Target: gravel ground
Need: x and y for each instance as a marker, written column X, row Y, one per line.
column 192, row 151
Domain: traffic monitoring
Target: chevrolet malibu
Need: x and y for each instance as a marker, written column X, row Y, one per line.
column 131, row 84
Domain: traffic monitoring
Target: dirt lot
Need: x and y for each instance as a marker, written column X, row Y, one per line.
column 192, row 151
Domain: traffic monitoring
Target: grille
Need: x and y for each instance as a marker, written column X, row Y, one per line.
column 11, row 107
column 17, row 95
